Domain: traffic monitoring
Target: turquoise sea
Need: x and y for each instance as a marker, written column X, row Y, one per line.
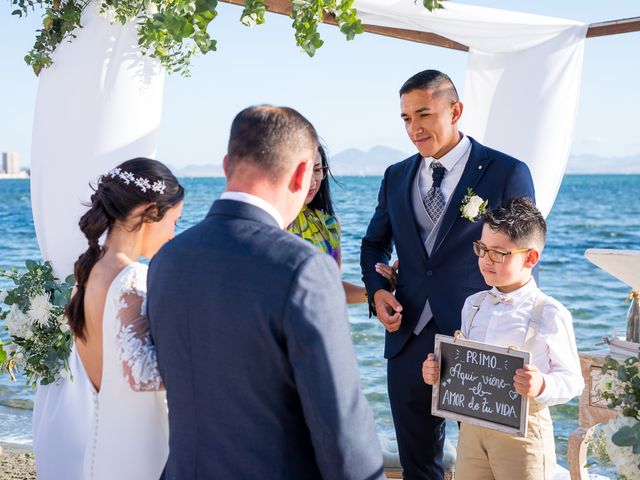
column 591, row 211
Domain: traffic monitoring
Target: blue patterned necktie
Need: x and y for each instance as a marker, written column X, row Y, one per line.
column 434, row 199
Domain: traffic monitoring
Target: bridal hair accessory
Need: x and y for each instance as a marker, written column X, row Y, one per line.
column 141, row 182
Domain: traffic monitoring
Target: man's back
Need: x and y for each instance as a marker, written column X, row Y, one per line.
column 253, row 344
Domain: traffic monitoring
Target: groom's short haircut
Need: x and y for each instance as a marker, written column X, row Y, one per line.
column 521, row 221
column 431, row 80
column 269, row 137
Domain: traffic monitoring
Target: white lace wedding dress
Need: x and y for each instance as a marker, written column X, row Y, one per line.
column 120, row 432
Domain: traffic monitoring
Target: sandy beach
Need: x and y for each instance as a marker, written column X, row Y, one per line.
column 16, row 462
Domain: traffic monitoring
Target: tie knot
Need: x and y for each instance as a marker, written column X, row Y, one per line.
column 438, row 173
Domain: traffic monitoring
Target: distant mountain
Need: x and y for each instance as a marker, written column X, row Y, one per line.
column 348, row 162
column 582, row 164
column 358, row 162
column 375, row 161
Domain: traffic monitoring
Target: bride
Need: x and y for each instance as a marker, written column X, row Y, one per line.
column 110, row 420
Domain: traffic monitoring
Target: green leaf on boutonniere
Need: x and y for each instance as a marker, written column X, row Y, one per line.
column 473, row 206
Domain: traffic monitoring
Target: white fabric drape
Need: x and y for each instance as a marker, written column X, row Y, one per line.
column 99, row 104
column 523, row 79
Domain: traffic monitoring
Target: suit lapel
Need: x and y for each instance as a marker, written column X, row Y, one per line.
column 475, row 168
column 407, row 212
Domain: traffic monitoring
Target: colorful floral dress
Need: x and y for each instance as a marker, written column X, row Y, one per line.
column 319, row 228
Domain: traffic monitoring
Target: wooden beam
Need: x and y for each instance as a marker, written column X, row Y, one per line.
column 415, row 36
column 283, row 7
column 614, row 27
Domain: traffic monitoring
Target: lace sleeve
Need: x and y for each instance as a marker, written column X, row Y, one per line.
column 135, row 346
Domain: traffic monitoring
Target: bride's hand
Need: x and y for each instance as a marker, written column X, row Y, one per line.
column 388, row 272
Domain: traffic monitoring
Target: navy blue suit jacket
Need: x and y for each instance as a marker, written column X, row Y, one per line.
column 254, row 347
column 450, row 274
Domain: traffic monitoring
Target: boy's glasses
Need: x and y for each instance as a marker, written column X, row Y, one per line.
column 320, row 173
column 496, row 256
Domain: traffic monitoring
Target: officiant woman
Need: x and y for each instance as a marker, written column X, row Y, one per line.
column 317, row 224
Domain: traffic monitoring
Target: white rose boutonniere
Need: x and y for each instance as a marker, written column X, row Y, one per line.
column 473, row 206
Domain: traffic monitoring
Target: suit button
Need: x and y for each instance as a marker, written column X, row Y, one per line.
column 429, row 273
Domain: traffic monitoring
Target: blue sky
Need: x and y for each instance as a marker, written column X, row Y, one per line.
column 348, row 90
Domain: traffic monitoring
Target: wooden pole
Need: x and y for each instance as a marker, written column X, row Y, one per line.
column 283, row 7
column 614, row 27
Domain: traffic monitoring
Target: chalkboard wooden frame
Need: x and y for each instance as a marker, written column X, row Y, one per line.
column 439, row 411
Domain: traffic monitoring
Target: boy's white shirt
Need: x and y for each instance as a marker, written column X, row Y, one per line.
column 553, row 350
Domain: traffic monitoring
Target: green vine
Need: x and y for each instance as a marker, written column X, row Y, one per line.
column 622, row 390
column 173, row 31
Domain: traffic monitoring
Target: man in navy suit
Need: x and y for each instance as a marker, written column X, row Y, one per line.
column 419, row 211
column 251, row 327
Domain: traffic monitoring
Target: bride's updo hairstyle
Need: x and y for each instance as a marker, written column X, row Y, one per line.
column 136, row 182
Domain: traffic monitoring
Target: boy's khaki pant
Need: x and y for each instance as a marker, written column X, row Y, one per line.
column 485, row 454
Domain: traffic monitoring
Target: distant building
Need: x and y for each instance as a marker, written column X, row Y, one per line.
column 10, row 167
column 11, row 163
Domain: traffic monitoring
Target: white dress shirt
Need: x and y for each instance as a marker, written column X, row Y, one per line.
column 259, row 202
column 453, row 161
column 553, row 350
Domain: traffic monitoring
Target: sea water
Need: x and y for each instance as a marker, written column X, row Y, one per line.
column 591, row 211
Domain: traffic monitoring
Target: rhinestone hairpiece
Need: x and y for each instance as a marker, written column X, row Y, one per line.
column 141, row 182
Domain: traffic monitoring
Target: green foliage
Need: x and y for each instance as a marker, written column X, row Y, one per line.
column 59, row 22
column 432, row 5
column 597, row 448
column 253, row 13
column 40, row 335
column 178, row 31
column 628, row 437
column 623, row 392
column 3, row 354
column 308, row 14
column 174, row 30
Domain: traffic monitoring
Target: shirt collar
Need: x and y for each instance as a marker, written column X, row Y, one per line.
column 453, row 156
column 256, row 201
column 517, row 295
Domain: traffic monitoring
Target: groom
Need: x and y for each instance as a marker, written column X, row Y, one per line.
column 419, row 212
column 251, row 327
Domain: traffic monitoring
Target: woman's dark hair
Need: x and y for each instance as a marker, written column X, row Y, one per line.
column 136, row 182
column 322, row 200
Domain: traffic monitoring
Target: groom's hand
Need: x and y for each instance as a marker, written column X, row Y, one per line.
column 388, row 309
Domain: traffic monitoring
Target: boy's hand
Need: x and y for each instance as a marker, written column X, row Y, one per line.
column 528, row 381
column 430, row 370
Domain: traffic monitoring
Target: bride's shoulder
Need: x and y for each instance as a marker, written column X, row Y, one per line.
column 134, row 278
column 139, row 268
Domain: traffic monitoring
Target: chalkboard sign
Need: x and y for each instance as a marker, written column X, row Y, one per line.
column 476, row 385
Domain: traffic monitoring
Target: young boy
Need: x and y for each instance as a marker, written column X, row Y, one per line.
column 516, row 312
